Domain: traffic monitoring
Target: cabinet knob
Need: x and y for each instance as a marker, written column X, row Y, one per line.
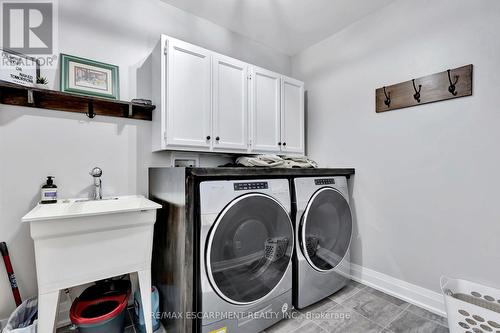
column 279, row 143
column 208, row 137
column 217, row 138
column 284, row 143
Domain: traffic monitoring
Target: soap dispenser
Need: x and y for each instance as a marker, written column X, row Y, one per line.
column 49, row 192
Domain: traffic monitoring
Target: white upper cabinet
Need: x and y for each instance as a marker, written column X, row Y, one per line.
column 208, row 102
column 266, row 113
column 188, row 92
column 230, row 104
column 292, row 115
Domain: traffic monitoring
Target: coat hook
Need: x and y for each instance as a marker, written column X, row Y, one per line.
column 452, row 88
column 387, row 98
column 417, row 92
column 90, row 110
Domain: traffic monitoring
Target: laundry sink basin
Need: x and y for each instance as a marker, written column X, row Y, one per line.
column 69, row 208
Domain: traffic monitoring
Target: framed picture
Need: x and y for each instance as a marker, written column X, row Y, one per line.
column 18, row 68
column 88, row 77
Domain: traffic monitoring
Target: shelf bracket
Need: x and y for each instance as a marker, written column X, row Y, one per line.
column 31, row 99
column 90, row 110
column 130, row 111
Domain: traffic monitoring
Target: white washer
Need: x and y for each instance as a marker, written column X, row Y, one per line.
column 246, row 246
column 323, row 230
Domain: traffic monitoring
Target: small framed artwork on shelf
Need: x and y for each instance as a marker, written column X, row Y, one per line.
column 89, row 77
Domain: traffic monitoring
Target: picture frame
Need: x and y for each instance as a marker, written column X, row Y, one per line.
column 89, row 77
column 18, row 68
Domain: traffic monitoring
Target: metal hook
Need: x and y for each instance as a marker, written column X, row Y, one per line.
column 387, row 98
column 417, row 92
column 90, row 110
column 452, row 88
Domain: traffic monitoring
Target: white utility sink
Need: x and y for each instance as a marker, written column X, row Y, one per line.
column 78, row 241
column 85, row 207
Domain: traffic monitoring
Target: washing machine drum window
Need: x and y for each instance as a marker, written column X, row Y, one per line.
column 249, row 248
column 326, row 229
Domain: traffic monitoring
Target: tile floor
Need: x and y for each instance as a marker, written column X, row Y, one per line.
column 354, row 309
column 361, row 309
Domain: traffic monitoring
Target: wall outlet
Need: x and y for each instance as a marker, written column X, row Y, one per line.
column 185, row 160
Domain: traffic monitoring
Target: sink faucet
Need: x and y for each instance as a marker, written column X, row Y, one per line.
column 97, row 173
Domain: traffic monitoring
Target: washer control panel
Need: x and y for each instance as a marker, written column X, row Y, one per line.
column 324, row 181
column 251, row 186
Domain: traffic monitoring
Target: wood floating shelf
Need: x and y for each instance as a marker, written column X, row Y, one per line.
column 13, row 94
column 453, row 83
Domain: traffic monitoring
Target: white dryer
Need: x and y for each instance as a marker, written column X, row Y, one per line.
column 246, row 246
column 323, row 230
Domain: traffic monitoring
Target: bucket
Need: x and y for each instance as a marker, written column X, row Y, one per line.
column 103, row 315
column 101, row 308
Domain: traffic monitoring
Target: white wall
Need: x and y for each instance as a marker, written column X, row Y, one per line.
column 36, row 143
column 427, row 178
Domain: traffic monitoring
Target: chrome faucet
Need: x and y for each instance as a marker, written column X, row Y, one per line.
column 97, row 173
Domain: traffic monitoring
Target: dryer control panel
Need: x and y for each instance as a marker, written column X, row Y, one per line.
column 324, row 181
column 251, row 186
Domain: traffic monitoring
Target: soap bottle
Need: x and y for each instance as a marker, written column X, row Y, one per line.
column 49, row 192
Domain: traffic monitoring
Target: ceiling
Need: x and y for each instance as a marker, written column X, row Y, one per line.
column 289, row 26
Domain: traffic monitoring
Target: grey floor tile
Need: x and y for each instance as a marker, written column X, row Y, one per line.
column 320, row 306
column 357, row 284
column 341, row 319
column 344, row 293
column 295, row 321
column 374, row 307
column 428, row 315
column 411, row 323
column 389, row 298
column 309, row 327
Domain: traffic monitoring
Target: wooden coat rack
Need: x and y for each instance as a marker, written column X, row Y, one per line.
column 452, row 83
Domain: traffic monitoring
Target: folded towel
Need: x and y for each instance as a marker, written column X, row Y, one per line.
column 299, row 162
column 275, row 161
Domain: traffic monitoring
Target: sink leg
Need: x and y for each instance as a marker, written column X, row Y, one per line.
column 145, row 287
column 47, row 311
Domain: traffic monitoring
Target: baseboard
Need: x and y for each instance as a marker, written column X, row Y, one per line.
column 411, row 293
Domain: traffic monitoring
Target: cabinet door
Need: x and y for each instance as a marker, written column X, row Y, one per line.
column 292, row 116
column 230, row 97
column 188, row 95
column 265, row 111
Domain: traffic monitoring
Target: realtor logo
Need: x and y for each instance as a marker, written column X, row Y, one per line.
column 28, row 27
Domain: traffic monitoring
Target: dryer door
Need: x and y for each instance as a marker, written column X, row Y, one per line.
column 249, row 248
column 325, row 229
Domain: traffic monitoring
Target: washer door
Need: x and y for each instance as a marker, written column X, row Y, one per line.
column 249, row 248
column 325, row 229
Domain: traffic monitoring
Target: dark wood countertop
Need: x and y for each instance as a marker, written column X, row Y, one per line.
column 252, row 172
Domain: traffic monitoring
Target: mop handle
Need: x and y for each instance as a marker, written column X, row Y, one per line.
column 10, row 273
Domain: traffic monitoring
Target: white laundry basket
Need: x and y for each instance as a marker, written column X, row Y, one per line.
column 471, row 307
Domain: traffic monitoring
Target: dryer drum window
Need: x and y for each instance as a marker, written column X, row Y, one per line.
column 326, row 229
column 249, row 248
